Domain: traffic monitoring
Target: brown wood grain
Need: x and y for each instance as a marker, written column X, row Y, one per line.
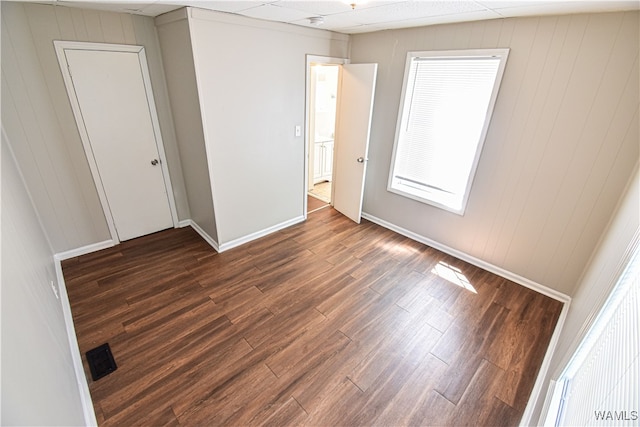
column 327, row 322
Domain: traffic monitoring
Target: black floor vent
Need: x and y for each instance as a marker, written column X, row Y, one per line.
column 101, row 361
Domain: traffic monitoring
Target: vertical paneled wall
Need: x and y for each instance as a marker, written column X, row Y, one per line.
column 37, row 116
column 39, row 385
column 560, row 149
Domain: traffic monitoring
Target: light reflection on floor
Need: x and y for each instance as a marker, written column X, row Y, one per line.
column 453, row 275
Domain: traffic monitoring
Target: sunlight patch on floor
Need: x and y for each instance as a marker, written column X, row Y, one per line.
column 453, row 275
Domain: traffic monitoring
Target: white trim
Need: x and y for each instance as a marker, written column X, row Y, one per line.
column 472, row 260
column 191, row 223
column 81, row 378
column 184, row 223
column 253, row 236
column 60, row 47
column 94, row 247
column 552, row 399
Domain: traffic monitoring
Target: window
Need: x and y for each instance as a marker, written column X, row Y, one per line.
column 599, row 385
column 445, row 110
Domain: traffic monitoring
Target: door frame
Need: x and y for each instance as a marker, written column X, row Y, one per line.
column 60, row 47
column 311, row 60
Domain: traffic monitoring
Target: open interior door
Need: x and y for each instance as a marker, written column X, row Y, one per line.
column 355, row 105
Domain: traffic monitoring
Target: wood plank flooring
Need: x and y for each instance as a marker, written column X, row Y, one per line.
column 313, row 204
column 324, row 323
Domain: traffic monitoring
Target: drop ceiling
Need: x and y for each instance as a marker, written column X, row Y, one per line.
column 366, row 15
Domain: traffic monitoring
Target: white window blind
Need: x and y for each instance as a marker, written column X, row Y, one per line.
column 448, row 99
column 601, row 383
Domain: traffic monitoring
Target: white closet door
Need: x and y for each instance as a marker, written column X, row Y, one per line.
column 115, row 111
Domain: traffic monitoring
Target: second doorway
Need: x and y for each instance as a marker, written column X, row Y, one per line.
column 322, row 125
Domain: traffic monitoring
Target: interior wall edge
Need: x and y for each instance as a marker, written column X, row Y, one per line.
column 169, row 17
column 210, row 240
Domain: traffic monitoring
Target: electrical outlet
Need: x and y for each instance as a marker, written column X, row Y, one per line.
column 55, row 290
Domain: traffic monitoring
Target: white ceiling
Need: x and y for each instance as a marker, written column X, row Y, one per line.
column 368, row 15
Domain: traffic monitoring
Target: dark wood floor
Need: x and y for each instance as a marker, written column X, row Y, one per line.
column 324, row 323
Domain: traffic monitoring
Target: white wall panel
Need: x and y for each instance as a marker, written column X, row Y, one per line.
column 39, row 384
column 37, row 115
column 251, row 86
column 560, row 149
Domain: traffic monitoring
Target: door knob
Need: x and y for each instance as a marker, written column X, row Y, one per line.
column 360, row 160
column 154, row 162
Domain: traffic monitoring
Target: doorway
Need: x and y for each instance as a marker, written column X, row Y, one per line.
column 322, row 95
column 337, row 144
column 322, row 126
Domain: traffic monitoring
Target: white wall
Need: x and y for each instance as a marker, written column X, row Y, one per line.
column 38, row 119
column 601, row 276
column 560, row 149
column 251, row 84
column 177, row 57
column 39, row 385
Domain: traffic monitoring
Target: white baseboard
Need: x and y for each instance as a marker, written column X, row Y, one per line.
column 184, row 223
column 81, row 378
column 191, row 223
column 94, row 247
column 261, row 233
column 471, row 260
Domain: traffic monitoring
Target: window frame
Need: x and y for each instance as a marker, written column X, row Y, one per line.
column 502, row 54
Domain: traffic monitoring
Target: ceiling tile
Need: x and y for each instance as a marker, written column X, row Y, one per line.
column 316, row 8
column 513, row 3
column 414, row 9
column 363, row 29
column 368, row 15
column 562, row 7
column 273, row 12
column 226, row 6
column 324, row 8
column 479, row 15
